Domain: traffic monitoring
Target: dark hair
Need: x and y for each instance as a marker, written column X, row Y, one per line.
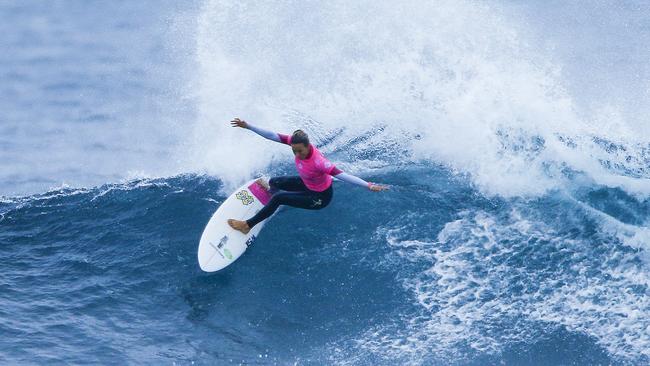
column 300, row 137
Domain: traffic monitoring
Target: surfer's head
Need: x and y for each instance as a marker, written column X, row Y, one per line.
column 300, row 144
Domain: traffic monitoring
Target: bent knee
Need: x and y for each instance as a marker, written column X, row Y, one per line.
column 273, row 182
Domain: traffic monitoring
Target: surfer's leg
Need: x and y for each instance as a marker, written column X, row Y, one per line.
column 307, row 200
column 292, row 184
column 291, row 188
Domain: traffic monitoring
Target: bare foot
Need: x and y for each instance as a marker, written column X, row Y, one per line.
column 239, row 225
column 263, row 183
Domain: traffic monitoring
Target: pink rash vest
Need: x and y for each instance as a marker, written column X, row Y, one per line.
column 315, row 171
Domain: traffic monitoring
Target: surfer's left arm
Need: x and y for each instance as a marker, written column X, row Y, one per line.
column 349, row 178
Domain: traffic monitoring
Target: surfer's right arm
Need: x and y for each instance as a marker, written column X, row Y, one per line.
column 260, row 131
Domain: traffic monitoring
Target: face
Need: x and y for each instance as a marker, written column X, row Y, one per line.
column 300, row 150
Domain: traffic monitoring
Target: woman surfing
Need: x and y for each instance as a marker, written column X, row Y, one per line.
column 311, row 190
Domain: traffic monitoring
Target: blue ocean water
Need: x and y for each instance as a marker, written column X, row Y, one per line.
column 512, row 135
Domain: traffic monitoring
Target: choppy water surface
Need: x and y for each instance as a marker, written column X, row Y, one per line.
column 512, row 135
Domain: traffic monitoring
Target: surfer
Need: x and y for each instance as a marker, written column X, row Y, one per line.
column 311, row 190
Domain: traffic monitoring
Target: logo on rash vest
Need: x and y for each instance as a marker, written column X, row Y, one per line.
column 245, row 198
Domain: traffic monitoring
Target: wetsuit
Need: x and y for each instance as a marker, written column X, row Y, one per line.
column 311, row 190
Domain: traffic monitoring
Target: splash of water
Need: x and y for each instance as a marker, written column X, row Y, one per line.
column 453, row 83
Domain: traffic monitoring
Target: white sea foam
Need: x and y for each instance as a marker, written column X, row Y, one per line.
column 493, row 282
column 454, row 81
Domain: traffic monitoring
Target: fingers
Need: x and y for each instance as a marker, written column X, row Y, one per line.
column 237, row 123
column 378, row 188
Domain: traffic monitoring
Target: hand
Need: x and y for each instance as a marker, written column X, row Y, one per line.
column 239, row 123
column 377, row 187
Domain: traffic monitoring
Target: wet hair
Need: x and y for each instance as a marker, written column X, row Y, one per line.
column 300, row 137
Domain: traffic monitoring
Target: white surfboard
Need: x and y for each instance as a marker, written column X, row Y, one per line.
column 220, row 244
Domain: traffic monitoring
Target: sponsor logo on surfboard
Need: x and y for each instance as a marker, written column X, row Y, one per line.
column 245, row 197
column 250, row 240
column 222, row 242
column 220, row 245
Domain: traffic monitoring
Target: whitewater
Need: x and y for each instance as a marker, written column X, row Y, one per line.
column 513, row 136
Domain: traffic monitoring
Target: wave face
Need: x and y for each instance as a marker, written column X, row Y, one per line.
column 445, row 276
column 515, row 230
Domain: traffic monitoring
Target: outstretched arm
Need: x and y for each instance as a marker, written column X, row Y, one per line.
column 260, row 131
column 349, row 178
